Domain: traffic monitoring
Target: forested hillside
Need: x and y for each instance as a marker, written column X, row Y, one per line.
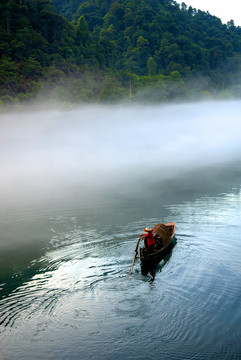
column 102, row 50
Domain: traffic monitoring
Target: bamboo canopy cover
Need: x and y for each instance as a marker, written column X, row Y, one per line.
column 164, row 233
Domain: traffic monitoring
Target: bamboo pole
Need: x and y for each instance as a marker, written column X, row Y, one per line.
column 135, row 254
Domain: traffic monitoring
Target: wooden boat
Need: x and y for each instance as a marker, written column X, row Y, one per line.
column 165, row 240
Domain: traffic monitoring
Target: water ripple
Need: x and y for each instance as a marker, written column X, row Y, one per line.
column 79, row 292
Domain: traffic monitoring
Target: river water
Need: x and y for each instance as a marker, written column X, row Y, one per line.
column 77, row 188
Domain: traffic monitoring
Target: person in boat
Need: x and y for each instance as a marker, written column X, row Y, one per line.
column 149, row 239
column 158, row 241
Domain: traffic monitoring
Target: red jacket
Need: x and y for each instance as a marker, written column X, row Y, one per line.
column 150, row 239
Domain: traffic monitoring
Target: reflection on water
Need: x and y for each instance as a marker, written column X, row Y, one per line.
column 77, row 191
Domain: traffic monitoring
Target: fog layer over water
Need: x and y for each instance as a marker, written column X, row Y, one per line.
column 99, row 146
column 77, row 186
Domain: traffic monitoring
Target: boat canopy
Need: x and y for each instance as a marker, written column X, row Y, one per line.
column 164, row 233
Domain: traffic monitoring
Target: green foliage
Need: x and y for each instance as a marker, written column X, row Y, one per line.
column 157, row 45
column 82, row 32
column 151, row 66
column 8, row 71
column 31, row 68
column 112, row 90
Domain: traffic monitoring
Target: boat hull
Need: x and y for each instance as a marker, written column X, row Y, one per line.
column 151, row 260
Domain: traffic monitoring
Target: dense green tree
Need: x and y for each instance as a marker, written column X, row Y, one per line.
column 151, row 66
column 82, row 32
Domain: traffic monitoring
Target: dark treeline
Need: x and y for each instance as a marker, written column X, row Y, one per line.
column 103, row 50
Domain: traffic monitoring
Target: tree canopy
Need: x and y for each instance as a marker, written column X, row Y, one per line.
column 89, row 42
